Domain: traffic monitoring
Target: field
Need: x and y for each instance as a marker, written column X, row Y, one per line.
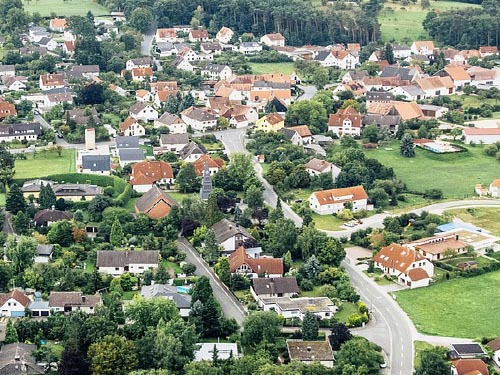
column 399, row 22
column 327, row 222
column 46, row 163
column 486, row 218
column 455, row 174
column 64, row 8
column 262, row 68
column 458, row 308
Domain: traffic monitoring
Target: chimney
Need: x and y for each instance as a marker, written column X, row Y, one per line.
column 309, row 348
column 17, row 357
column 90, row 139
column 84, row 299
column 53, row 207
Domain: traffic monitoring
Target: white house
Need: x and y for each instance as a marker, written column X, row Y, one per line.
column 224, row 35
column 173, row 142
column 290, row 308
column 338, row 58
column 241, row 263
column 182, row 63
column 7, row 70
column 143, row 112
column 250, row 48
column 131, row 127
column 401, row 51
column 327, row 202
column 199, row 119
column 48, row 43
column 67, row 302
column 494, row 189
column 13, row 304
column 20, row 132
column 494, row 346
column 481, row 135
column 273, row 40
column 182, row 301
column 167, row 35
column 268, row 287
column 410, row 92
column 216, row 72
column 230, row 236
column 141, row 62
column 116, row 263
column 315, row 167
column 346, row 121
column 425, row 47
column 44, row 253
column 174, row 123
column 147, row 173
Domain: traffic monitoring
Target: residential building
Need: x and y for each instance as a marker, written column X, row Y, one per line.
column 47, row 216
column 199, row 119
column 20, row 132
column 337, row 58
column 17, row 359
column 410, row 267
column 182, row 63
column 155, row 203
column 51, row 81
column 13, row 304
column 378, row 97
column 141, row 62
column 173, row 123
column 425, row 47
column 143, row 112
column 268, row 287
column 173, row 142
column 458, row 75
column 494, row 189
column 401, row 51
column 407, row 111
column 167, row 35
column 327, row 202
column 206, row 350
column 230, row 236
column 400, row 73
column 434, row 111
column 182, row 301
column 435, row 86
column 68, row 302
column 224, row 35
column 144, row 96
column 96, row 164
column 469, row 367
column 44, row 253
column 130, row 127
column 76, row 192
column 310, row 351
column 486, row 51
column 240, row 262
column 271, row 122
column 14, row 83
column 290, row 308
column 273, row 40
column 58, row 25
column 345, row 122
column 213, row 165
column 130, row 156
column 192, row 152
column 122, row 142
column 298, row 135
column 7, row 109
column 48, row 43
column 7, row 70
column 466, row 351
column 165, row 49
column 216, row 72
column 481, row 135
column 315, row 167
column 250, row 48
column 116, row 263
column 142, row 74
column 439, row 247
column 195, row 36
column 209, row 48
column 388, row 123
column 145, row 174
column 494, row 346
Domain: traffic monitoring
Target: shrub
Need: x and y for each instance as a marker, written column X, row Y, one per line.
column 306, row 285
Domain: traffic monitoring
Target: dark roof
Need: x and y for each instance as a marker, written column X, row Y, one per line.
column 138, row 107
column 405, row 74
column 44, row 249
column 377, row 96
column 272, row 85
column 381, row 120
column 468, row 349
column 192, row 148
column 225, row 229
column 287, row 132
column 131, row 154
column 174, row 139
column 322, row 55
column 76, row 299
column 148, row 200
column 198, row 114
column 127, row 142
column 71, row 190
column 141, row 61
column 214, row 68
column 96, row 163
column 358, row 75
column 164, row 46
column 276, row 285
column 309, row 350
column 20, row 129
column 48, row 215
column 112, row 258
column 17, row 359
column 182, row 301
column 494, row 344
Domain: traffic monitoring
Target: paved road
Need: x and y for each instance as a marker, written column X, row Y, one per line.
column 229, row 304
column 7, row 225
column 147, row 44
column 309, row 92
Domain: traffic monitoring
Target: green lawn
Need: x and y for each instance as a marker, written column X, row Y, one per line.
column 347, row 310
column 481, row 261
column 148, row 149
column 131, row 204
column 129, row 295
column 89, row 266
column 486, row 218
column 180, row 196
column 327, row 222
column 174, row 266
column 46, row 163
column 263, row 68
column 462, row 307
column 399, row 22
column 455, row 174
column 64, row 8
column 2, row 199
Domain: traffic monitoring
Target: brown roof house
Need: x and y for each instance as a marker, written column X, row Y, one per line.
column 439, row 247
column 68, row 302
column 13, row 304
column 240, row 262
column 44, row 218
column 327, row 202
column 345, row 122
column 267, row 287
column 131, row 127
column 214, row 165
column 298, row 135
column 494, row 346
column 230, row 236
column 145, row 174
column 469, row 367
column 116, row 263
column 310, row 351
column 315, row 167
column 198, row 36
column 155, row 203
column 409, row 266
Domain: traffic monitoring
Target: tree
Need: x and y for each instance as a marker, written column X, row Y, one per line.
column 309, row 112
column 371, row 133
column 407, row 148
column 146, row 313
column 388, row 54
column 223, row 271
column 6, row 166
column 261, row 326
column 21, row 253
column 211, row 252
column 433, row 362
column 312, row 268
column 61, row 233
column 141, row 19
column 11, row 336
column 360, row 352
column 310, row 327
column 187, row 180
column 254, row 197
column 114, row 355
column 281, row 237
column 15, row 200
column 73, row 360
column 116, row 235
column 331, row 253
column 21, row 223
column 340, row 334
column 47, row 197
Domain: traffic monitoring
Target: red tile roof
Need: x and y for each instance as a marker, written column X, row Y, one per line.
column 417, row 274
column 7, row 109
column 199, row 164
column 127, row 123
column 199, row 34
column 142, row 72
column 302, row 130
column 336, row 119
column 149, row 172
column 17, row 295
column 470, row 367
column 482, row 131
column 269, row 266
column 334, row 196
column 397, row 257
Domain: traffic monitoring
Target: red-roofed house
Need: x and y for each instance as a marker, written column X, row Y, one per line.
column 57, row 25
column 481, row 135
column 240, row 262
column 13, row 304
column 494, row 189
column 488, row 51
column 469, row 367
column 198, row 36
column 51, row 81
column 224, row 35
column 214, row 164
column 494, row 346
column 345, row 122
column 409, row 266
column 130, row 127
column 327, row 202
column 167, row 35
column 69, row 47
column 147, row 173
column 425, row 47
column 7, row 109
column 142, row 74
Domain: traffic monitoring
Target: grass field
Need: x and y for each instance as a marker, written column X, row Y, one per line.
column 458, row 308
column 2, row 199
column 347, row 310
column 327, row 222
column 486, row 218
column 64, row 8
column 399, row 22
column 455, row 174
column 46, row 163
column 262, row 68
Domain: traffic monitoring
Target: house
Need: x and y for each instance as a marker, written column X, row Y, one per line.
column 216, row 72
column 51, row 81
column 338, row 58
column 76, row 192
column 173, row 142
column 195, row 36
column 224, row 351
column 434, row 111
column 486, row 51
column 327, row 202
column 7, row 70
column 240, row 262
column 173, row 123
column 143, row 96
column 126, row 142
column 298, row 135
column 82, row 116
column 145, row 174
column 68, row 302
column 48, row 43
column 44, row 253
column 273, row 40
column 290, row 308
column 401, row 51
column 250, row 48
column 481, row 135
column 466, row 351
column 192, row 152
column 143, row 112
column 155, row 203
column 17, row 359
column 315, row 167
column 116, row 263
column 7, row 109
column 96, row 164
column 271, row 122
column 182, row 301
column 389, row 123
column 378, row 97
column 131, row 127
column 494, row 346
column 439, row 247
column 13, row 304
column 268, row 287
column 30, row 50
column 20, row 132
column 161, row 97
column 410, row 267
column 130, row 156
column 167, row 35
column 182, row 63
column 119, row 90
column 199, row 119
column 494, row 189
column 345, row 122
column 400, row 73
column 407, row 110
column 213, row 165
column 47, row 216
column 224, row 35
column 165, row 49
column 142, row 74
column 209, row 48
column 469, row 367
column 230, row 236
column 457, row 74
column 310, row 351
column 57, row 25
column 425, row 47
column 435, row 86
column 483, row 76
column 141, row 62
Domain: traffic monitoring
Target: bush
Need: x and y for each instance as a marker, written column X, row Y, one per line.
column 306, row 285
column 433, row 194
column 357, row 320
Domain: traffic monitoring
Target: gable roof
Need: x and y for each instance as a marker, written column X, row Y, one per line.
column 432, row 83
column 155, row 203
column 408, row 110
column 131, row 154
column 192, row 148
column 275, row 36
column 182, row 301
column 494, row 344
column 270, row 266
column 174, row 139
column 199, row 34
column 11, row 355
column 73, row 299
column 335, row 196
column 457, row 73
column 49, row 215
column 309, row 351
column 275, row 285
column 470, row 367
column 122, row 141
column 17, row 295
column 337, row 119
column 129, row 121
column 424, row 44
column 273, row 118
column 150, row 171
column 57, row 23
column 114, row 258
column 397, row 257
column 225, row 229
column 318, row 165
column 96, row 162
column 198, row 114
column 301, row 130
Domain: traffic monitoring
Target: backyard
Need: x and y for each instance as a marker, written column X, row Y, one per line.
column 455, row 174
column 45, row 163
column 462, row 307
column 64, row 8
column 263, row 68
column 399, row 22
column 486, row 218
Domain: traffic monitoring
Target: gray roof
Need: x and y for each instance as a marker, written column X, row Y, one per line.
column 164, row 46
column 174, row 139
column 62, row 190
column 318, row 165
column 413, row 90
column 29, row 50
column 430, row 107
column 44, row 249
column 377, row 96
column 96, row 163
column 48, row 215
column 273, row 85
column 73, row 299
column 405, row 74
column 214, row 46
column 169, row 119
column 214, row 68
column 322, row 55
column 131, row 154
column 381, row 120
column 225, row 229
column 288, row 133
column 13, row 355
column 198, row 114
column 151, row 198
column 464, row 349
column 60, row 90
column 127, row 142
column 192, row 148
column 20, row 129
column 112, row 258
column 141, row 61
column 7, row 68
column 358, row 74
column 137, row 107
column 177, row 61
column 39, row 305
column 400, row 47
column 182, row 301
column 44, row 41
column 275, row 285
column 250, row 44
